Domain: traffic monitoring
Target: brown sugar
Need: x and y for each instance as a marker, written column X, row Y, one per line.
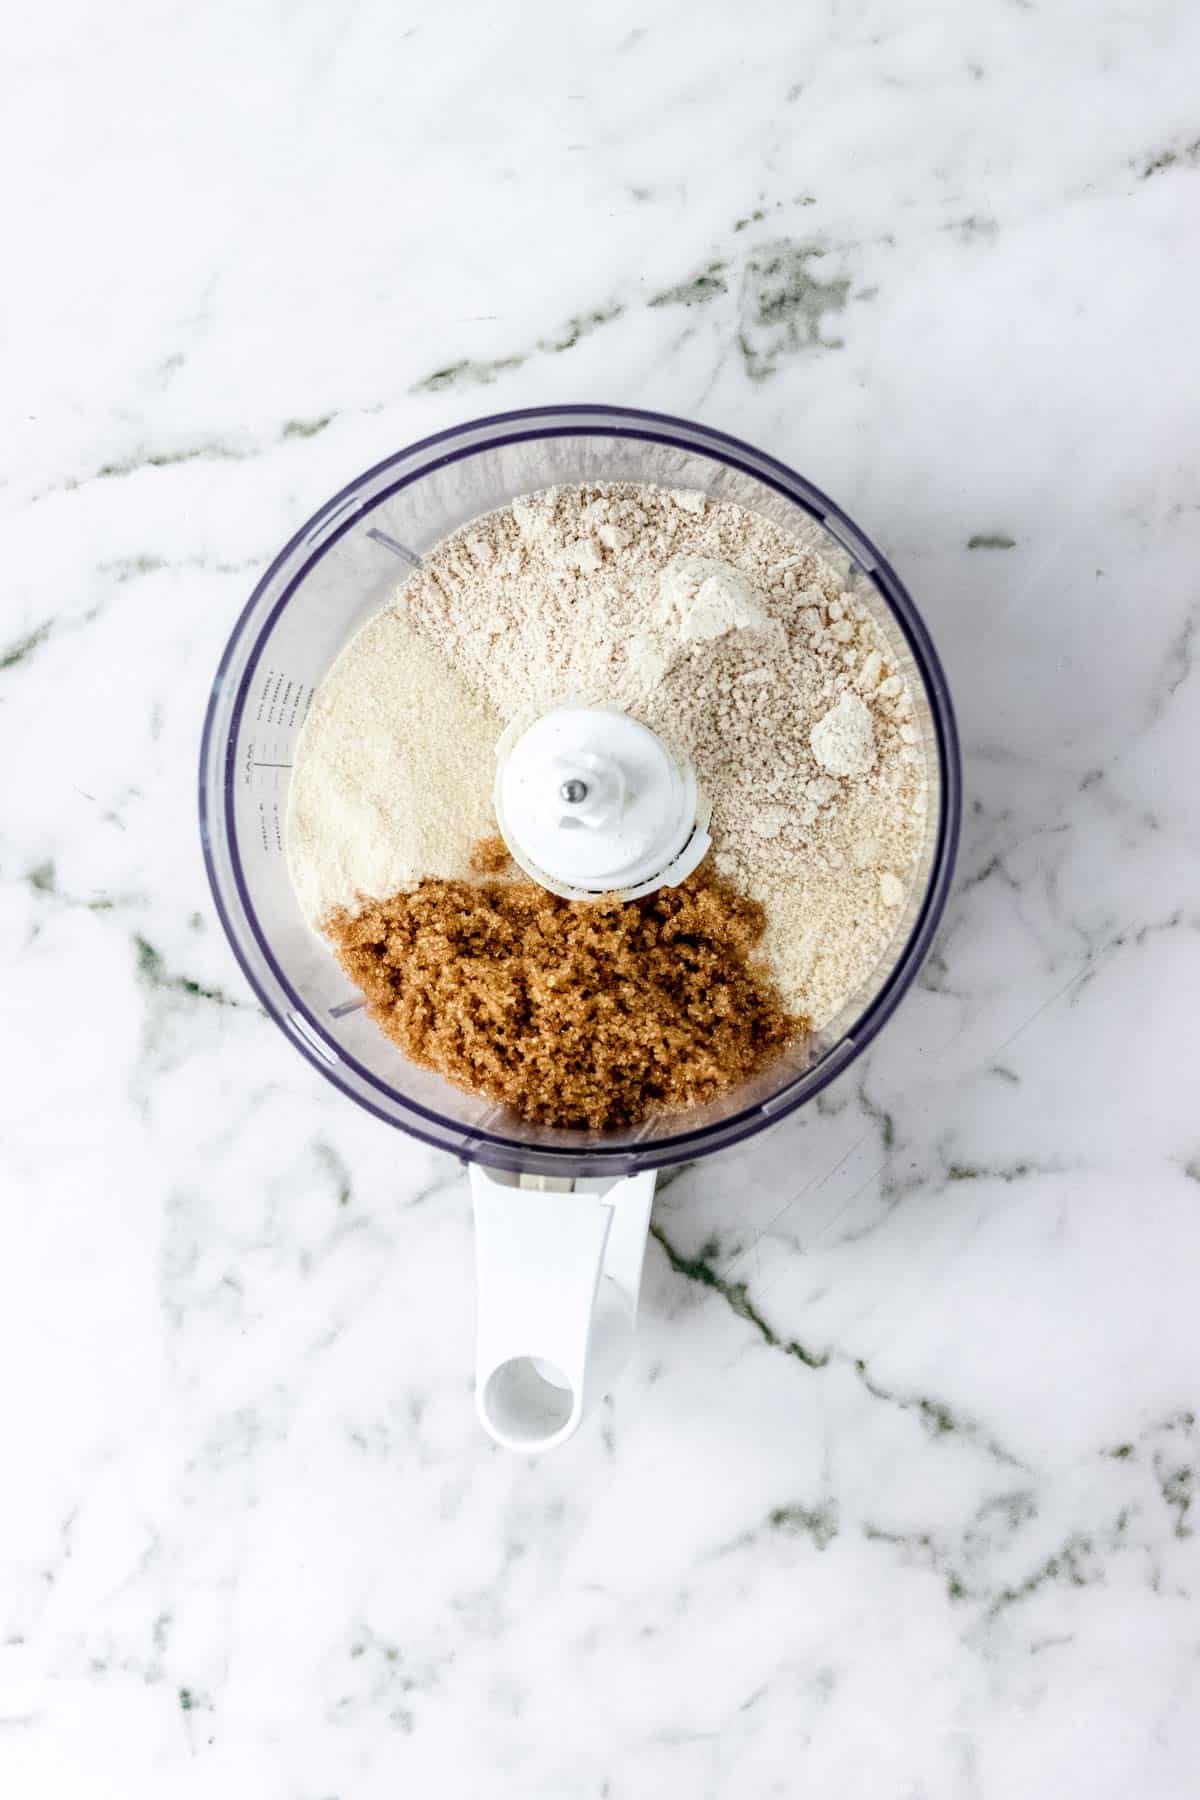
column 490, row 856
column 583, row 1014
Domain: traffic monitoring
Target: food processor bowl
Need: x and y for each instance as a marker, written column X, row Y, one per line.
column 339, row 569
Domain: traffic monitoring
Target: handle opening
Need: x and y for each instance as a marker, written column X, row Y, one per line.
column 526, row 1401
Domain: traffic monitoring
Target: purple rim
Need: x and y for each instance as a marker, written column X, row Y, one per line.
column 495, row 1147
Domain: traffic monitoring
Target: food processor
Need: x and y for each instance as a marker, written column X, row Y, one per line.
column 561, row 1215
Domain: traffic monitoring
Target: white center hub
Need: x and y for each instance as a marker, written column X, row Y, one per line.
column 590, row 802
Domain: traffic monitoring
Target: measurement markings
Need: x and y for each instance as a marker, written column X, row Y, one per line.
column 397, row 549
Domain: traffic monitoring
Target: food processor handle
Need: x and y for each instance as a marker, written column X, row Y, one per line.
column 558, row 1280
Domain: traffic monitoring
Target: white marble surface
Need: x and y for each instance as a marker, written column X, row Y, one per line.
column 899, row 1500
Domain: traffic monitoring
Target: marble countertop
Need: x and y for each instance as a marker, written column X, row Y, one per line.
column 900, row 1497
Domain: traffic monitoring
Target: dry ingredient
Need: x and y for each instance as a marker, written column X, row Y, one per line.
column 843, row 739
column 701, row 598
column 742, row 648
column 393, row 773
column 585, row 1015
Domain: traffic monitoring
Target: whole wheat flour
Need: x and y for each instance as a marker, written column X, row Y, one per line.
column 741, row 648
column 393, row 773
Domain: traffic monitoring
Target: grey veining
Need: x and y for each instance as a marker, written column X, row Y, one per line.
column 900, row 1497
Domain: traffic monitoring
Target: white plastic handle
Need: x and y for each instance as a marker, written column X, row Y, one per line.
column 558, row 1280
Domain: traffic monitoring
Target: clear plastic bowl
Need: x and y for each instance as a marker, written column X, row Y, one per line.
column 337, row 571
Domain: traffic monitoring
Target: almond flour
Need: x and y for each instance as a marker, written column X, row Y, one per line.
column 393, row 773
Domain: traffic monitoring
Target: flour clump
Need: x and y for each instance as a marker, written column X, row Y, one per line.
column 843, row 741
column 700, row 598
